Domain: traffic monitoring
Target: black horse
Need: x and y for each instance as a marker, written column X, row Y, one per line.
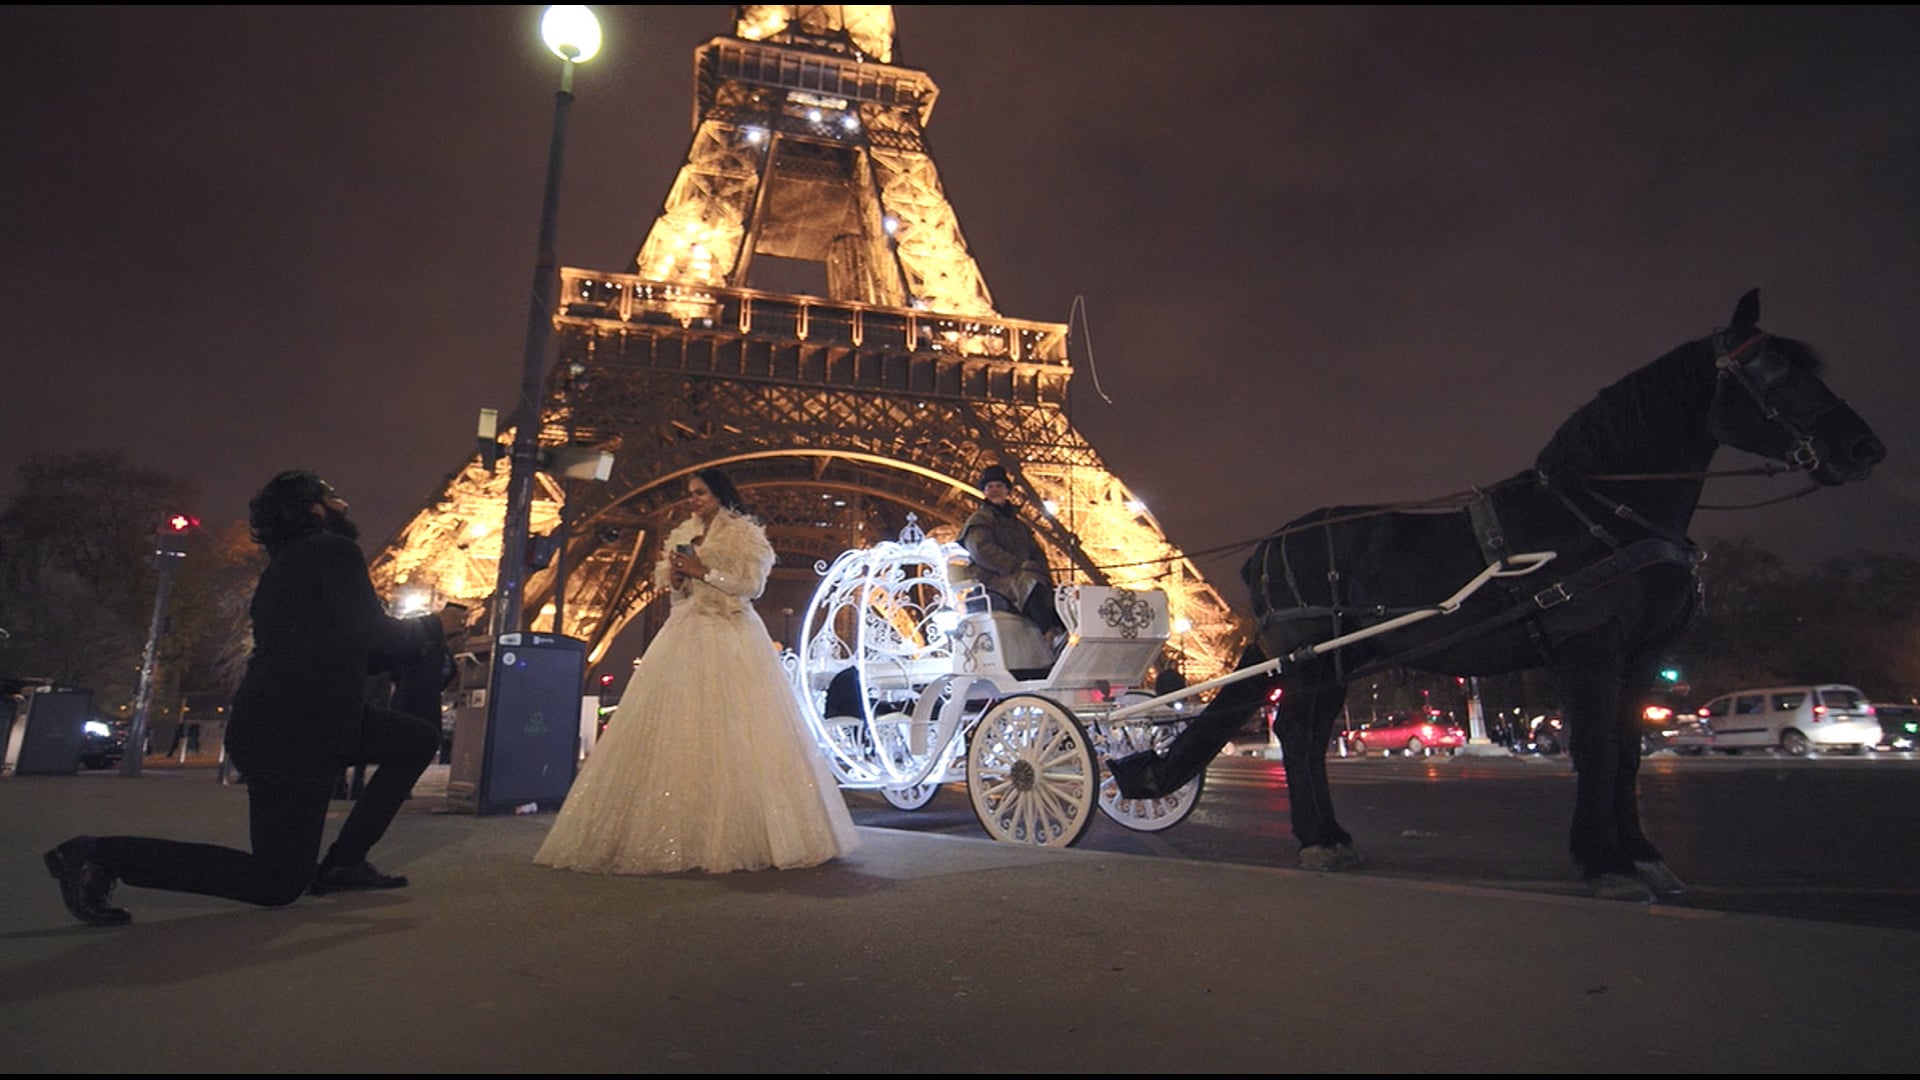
column 1611, row 497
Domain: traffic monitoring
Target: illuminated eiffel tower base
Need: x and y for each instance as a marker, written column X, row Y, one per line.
column 837, row 415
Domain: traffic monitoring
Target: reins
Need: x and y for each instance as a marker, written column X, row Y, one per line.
column 1461, row 498
column 1768, row 470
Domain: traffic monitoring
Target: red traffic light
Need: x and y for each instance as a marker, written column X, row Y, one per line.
column 182, row 522
column 606, row 680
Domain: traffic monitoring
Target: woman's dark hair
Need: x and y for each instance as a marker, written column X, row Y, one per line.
column 283, row 511
column 723, row 490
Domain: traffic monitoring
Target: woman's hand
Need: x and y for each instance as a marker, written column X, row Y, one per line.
column 686, row 565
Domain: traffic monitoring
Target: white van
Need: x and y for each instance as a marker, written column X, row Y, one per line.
column 1797, row 719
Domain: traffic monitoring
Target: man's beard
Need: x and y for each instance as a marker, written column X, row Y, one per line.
column 338, row 524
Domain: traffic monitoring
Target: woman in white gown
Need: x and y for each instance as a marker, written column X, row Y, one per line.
column 707, row 763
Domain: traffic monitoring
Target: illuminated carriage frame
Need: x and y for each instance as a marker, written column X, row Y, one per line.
column 950, row 690
column 953, row 690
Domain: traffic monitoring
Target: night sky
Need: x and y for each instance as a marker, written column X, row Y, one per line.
column 1327, row 255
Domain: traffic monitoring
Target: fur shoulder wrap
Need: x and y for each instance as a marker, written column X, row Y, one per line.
column 738, row 560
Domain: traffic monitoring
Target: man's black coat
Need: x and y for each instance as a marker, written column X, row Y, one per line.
column 316, row 624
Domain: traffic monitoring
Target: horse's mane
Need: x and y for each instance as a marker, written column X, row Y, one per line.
column 1613, row 429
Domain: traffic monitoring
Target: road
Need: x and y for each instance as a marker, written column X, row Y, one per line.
column 1829, row 839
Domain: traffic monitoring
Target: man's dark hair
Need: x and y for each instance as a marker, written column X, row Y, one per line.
column 722, row 489
column 283, row 511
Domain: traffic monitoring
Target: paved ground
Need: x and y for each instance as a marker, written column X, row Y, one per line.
column 920, row 953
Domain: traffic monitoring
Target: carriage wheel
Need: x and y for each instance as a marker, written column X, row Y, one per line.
column 1145, row 815
column 1151, row 815
column 1031, row 773
column 911, row 798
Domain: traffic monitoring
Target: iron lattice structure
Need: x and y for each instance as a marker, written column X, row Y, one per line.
column 836, row 415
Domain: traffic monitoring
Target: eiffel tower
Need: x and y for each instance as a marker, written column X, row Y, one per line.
column 837, row 415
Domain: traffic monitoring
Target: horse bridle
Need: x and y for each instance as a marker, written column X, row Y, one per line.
column 1755, row 378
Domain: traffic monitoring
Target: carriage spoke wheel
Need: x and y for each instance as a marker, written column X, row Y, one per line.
column 1031, row 773
column 1145, row 815
column 911, row 798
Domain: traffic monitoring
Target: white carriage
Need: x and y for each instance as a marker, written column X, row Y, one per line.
column 913, row 681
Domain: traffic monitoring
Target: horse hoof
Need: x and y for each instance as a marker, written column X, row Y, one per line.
column 1660, row 878
column 1620, row 887
column 1329, row 858
column 1133, row 775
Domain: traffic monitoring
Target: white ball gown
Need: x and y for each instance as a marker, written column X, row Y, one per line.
column 707, row 763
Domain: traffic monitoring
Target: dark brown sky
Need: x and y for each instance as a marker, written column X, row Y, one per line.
column 1328, row 255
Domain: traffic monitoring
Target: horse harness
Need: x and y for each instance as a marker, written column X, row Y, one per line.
column 1661, row 548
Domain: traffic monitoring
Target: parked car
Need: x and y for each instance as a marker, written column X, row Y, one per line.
column 1410, row 734
column 1797, row 719
column 101, row 744
column 1665, row 728
column 1899, row 726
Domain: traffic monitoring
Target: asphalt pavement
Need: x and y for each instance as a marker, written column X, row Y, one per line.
column 919, row 953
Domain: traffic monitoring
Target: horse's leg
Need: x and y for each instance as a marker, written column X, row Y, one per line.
column 1588, row 670
column 1647, row 860
column 1303, row 722
column 1149, row 775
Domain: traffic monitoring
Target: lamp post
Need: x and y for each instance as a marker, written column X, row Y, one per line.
column 573, row 34
column 170, row 547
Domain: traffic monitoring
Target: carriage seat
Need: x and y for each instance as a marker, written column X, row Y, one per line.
column 976, row 598
column 1001, row 645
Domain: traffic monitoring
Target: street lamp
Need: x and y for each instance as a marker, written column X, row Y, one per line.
column 573, row 34
column 169, row 548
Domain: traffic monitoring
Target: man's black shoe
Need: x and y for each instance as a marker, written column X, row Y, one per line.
column 360, row 878
column 85, row 885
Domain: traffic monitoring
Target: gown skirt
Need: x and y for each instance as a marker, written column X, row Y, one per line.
column 707, row 764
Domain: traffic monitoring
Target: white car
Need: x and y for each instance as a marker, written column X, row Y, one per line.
column 1797, row 719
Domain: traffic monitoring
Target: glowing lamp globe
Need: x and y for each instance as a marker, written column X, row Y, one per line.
column 571, row 31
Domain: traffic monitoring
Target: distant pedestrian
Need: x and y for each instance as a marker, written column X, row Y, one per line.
column 299, row 717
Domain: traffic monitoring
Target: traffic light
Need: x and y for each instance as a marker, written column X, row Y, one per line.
column 171, row 540
column 606, row 682
column 1669, row 674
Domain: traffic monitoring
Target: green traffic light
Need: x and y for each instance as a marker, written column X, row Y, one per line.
column 1671, row 674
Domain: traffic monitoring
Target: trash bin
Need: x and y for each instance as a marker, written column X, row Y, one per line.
column 56, row 732
column 524, row 748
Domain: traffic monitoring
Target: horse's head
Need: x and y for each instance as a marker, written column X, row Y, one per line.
column 1769, row 400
